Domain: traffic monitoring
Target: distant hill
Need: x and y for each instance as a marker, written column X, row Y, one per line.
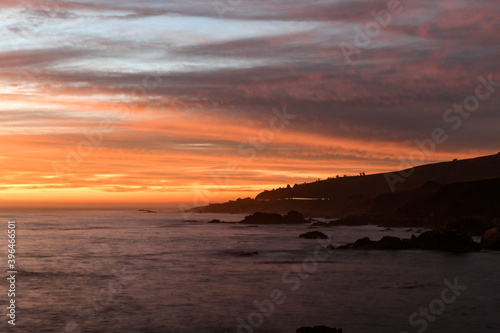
column 338, row 197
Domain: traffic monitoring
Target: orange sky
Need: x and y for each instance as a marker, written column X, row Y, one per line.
column 111, row 103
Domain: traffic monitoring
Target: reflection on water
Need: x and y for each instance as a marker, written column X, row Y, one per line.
column 127, row 271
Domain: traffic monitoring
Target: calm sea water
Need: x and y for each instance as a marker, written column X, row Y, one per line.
column 128, row 271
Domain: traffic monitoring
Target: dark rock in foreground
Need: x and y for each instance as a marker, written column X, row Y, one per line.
column 451, row 237
column 318, row 329
column 292, row 217
column 491, row 239
column 314, row 235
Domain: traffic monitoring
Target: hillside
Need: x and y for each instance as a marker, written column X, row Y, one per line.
column 347, row 195
column 476, row 203
column 369, row 186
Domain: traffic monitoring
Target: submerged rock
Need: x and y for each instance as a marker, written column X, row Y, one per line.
column 314, row 235
column 318, row 329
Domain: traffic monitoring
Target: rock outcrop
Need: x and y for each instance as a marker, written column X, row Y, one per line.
column 314, row 235
column 292, row 217
column 452, row 237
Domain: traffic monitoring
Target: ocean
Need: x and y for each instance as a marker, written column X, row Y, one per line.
column 131, row 271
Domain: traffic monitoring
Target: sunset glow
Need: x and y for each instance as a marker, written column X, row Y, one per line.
column 171, row 102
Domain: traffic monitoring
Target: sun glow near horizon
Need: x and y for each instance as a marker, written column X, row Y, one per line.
column 108, row 102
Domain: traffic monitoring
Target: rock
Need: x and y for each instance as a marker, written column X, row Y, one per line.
column 389, row 243
column 318, row 329
column 314, row 235
column 386, row 243
column 363, row 243
column 456, row 226
column 248, row 254
column 292, row 217
column 475, row 225
column 452, row 237
column 446, row 241
column 408, row 244
column 219, row 221
column 491, row 239
column 263, row 218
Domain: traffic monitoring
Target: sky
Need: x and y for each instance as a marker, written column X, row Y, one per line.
column 204, row 101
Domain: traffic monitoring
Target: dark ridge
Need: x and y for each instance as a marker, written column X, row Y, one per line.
column 372, row 194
